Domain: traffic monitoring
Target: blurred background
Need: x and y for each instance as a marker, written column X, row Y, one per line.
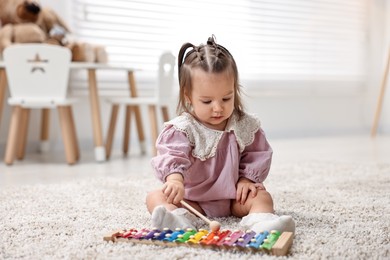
column 308, row 68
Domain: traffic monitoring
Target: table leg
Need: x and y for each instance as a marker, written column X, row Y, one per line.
column 13, row 135
column 23, row 127
column 100, row 152
column 380, row 98
column 3, row 85
column 137, row 111
column 45, row 128
column 165, row 113
column 111, row 129
column 126, row 134
column 74, row 134
column 67, row 135
column 153, row 127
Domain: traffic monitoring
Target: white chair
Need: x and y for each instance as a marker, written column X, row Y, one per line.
column 161, row 100
column 38, row 76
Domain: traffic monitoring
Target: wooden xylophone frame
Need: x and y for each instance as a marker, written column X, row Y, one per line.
column 278, row 244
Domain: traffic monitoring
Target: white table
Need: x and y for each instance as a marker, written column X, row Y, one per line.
column 100, row 152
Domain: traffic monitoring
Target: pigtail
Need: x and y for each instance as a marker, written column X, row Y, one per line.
column 182, row 51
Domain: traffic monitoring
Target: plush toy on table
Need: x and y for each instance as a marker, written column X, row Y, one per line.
column 26, row 21
column 18, row 11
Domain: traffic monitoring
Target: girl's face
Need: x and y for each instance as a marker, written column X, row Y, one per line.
column 212, row 98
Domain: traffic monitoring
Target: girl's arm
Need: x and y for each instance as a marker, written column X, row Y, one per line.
column 173, row 154
column 255, row 161
column 255, row 164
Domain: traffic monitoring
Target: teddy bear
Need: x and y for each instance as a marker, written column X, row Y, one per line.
column 20, row 33
column 25, row 21
column 86, row 52
column 18, row 11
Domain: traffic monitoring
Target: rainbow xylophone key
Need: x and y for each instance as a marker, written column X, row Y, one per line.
column 245, row 239
column 258, row 240
column 274, row 242
column 173, row 236
column 220, row 238
column 231, row 240
column 270, row 240
column 197, row 237
column 161, row 235
column 186, row 236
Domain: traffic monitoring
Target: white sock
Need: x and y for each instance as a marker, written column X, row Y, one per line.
column 178, row 218
column 267, row 222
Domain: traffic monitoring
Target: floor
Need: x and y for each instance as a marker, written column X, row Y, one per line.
column 51, row 168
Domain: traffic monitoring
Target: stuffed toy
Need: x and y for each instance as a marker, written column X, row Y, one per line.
column 18, row 11
column 25, row 21
column 86, row 52
column 20, row 33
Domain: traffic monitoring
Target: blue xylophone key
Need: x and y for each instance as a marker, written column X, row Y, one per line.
column 173, row 236
column 258, row 240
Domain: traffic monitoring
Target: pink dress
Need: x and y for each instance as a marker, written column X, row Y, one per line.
column 212, row 161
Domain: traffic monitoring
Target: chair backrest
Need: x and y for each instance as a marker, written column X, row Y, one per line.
column 37, row 72
column 165, row 78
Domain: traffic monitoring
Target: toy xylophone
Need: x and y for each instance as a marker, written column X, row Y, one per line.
column 273, row 242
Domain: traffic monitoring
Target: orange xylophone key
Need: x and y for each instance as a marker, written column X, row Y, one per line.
column 220, row 239
column 206, row 241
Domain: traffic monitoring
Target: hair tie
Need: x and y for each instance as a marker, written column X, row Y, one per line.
column 212, row 40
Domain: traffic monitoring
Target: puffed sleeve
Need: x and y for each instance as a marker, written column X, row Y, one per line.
column 173, row 150
column 256, row 159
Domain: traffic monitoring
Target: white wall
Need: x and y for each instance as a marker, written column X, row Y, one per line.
column 306, row 112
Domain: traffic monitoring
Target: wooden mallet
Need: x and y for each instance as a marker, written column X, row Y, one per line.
column 214, row 225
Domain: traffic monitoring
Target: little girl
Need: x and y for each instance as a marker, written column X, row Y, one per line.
column 213, row 155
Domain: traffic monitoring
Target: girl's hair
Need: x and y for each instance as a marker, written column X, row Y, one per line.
column 211, row 58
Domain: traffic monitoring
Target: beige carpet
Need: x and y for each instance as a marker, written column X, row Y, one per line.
column 342, row 211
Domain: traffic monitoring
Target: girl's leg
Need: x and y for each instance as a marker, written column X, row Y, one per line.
column 166, row 215
column 157, row 198
column 262, row 203
column 258, row 214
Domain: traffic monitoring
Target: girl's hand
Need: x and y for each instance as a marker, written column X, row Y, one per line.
column 244, row 187
column 173, row 188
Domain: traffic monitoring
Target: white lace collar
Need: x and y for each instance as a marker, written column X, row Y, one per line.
column 205, row 140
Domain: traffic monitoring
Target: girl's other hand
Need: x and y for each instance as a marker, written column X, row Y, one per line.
column 246, row 187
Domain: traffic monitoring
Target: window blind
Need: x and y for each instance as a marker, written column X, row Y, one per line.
column 285, row 40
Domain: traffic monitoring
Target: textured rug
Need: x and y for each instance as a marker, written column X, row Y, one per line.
column 341, row 210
